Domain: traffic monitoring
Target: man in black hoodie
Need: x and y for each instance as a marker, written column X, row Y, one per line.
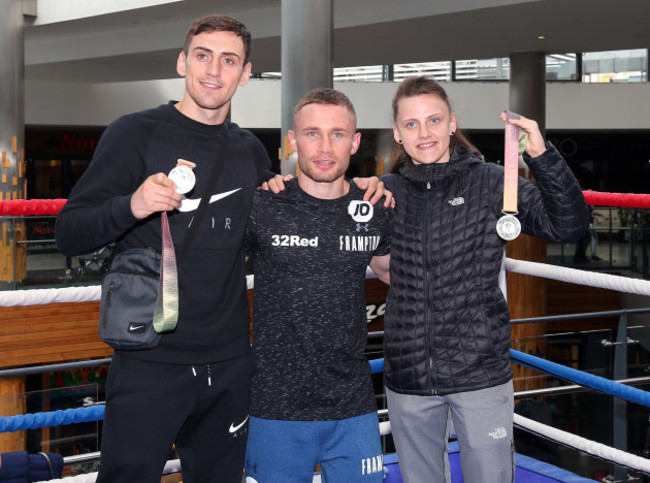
column 192, row 389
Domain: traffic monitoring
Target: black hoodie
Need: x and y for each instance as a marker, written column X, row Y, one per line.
column 214, row 312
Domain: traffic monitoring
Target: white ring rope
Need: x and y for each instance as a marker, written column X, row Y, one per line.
column 582, row 444
column 585, row 445
column 172, row 466
column 91, row 293
column 580, row 277
column 554, row 272
column 577, row 442
column 84, row 478
column 49, row 296
column 384, row 428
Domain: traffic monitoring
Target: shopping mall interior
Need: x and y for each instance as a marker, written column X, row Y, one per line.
column 579, row 67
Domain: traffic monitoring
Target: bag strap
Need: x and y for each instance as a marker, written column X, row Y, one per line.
column 165, row 316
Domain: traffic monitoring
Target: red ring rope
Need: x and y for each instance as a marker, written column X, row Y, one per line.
column 30, row 207
column 622, row 200
column 52, row 207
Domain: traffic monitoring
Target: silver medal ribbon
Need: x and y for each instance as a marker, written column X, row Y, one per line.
column 165, row 316
column 508, row 226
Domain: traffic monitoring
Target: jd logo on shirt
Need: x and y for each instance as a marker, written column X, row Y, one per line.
column 361, row 211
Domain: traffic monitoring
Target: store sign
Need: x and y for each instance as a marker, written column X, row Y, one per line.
column 78, row 143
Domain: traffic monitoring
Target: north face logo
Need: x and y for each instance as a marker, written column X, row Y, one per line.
column 459, row 200
column 498, row 433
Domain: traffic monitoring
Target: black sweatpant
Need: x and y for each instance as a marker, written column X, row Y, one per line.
column 149, row 406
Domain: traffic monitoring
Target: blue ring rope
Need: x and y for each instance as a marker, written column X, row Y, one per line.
column 631, row 394
column 54, row 418
column 376, row 366
column 95, row 413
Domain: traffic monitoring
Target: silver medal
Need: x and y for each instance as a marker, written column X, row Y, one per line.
column 184, row 179
column 508, row 227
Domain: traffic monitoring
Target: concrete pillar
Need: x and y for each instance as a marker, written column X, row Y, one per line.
column 12, row 99
column 12, row 185
column 527, row 294
column 307, row 34
column 12, row 133
column 528, row 86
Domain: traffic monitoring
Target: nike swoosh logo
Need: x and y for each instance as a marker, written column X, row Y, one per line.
column 214, row 198
column 234, row 429
column 189, row 204
column 135, row 327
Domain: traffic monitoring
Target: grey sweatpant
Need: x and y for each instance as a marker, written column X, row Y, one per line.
column 483, row 424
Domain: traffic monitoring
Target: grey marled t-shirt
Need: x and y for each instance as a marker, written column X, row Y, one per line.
column 309, row 322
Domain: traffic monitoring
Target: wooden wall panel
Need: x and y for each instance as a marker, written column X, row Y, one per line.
column 566, row 298
column 527, row 298
column 12, row 402
column 44, row 334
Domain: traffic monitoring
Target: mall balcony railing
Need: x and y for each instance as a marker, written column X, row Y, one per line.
column 29, row 257
column 621, row 240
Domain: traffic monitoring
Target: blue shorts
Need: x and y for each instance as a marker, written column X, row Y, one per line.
column 348, row 450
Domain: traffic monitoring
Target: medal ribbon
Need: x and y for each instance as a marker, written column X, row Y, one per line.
column 511, row 163
column 165, row 316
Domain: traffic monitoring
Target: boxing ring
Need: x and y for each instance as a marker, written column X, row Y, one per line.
column 527, row 469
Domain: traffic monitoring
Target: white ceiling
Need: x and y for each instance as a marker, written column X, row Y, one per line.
column 143, row 43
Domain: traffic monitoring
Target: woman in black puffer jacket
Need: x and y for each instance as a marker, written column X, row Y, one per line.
column 447, row 325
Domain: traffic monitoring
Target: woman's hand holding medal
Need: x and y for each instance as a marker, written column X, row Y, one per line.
column 534, row 143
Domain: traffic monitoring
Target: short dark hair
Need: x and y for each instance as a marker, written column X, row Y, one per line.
column 325, row 95
column 219, row 23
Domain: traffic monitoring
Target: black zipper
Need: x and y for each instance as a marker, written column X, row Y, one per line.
column 109, row 293
column 133, row 272
column 427, row 277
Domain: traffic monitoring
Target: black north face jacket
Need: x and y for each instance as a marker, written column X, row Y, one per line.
column 447, row 324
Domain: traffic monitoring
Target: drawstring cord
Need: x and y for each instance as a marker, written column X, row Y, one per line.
column 209, row 374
